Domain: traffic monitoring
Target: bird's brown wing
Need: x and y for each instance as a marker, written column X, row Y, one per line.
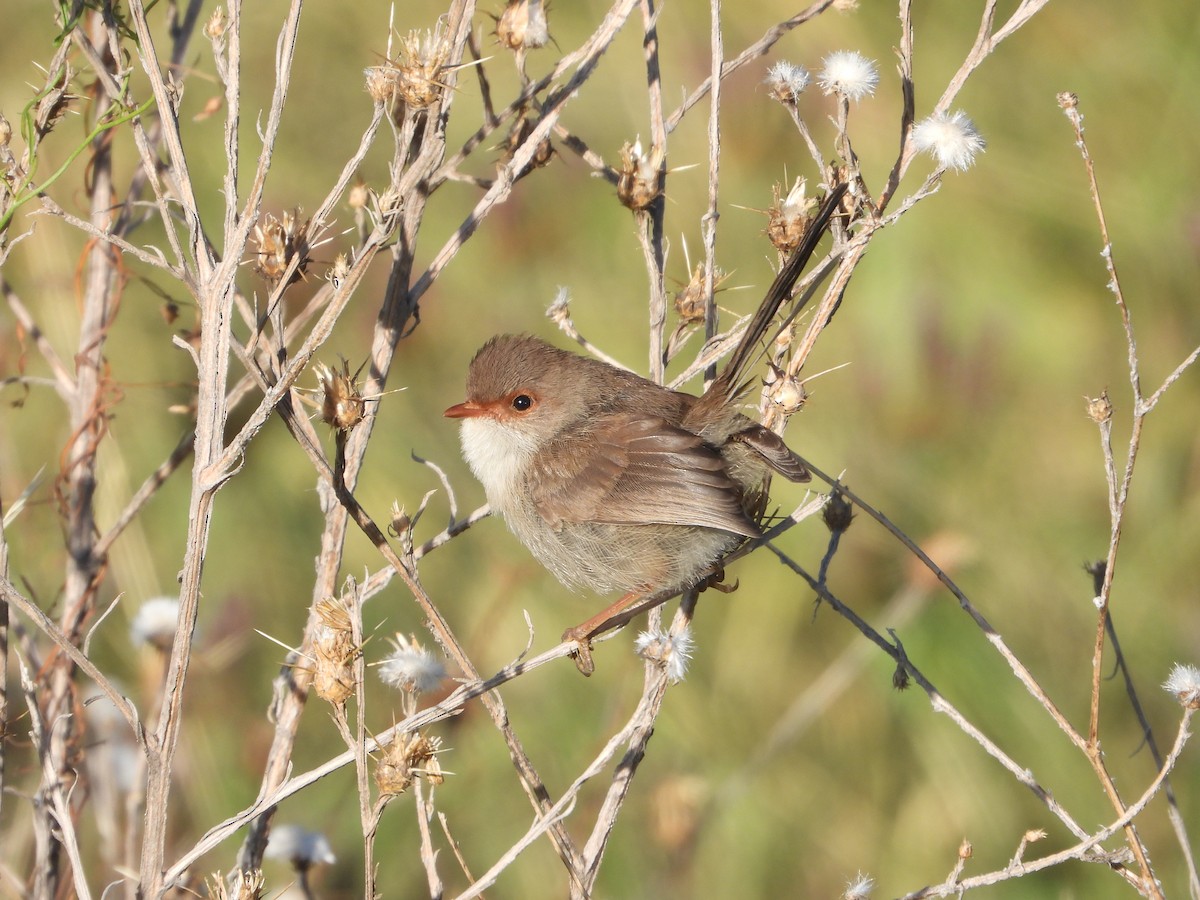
column 631, row 469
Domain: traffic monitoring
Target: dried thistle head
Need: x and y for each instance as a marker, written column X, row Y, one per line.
column 690, row 300
column 333, row 652
column 639, row 182
column 240, row 885
column 785, row 391
column 342, row 403
column 407, row 757
column 1099, row 409
column 278, row 241
column 415, row 78
column 53, row 103
column 788, row 217
column 522, row 25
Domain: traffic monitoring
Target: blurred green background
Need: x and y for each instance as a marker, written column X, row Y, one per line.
column 972, row 331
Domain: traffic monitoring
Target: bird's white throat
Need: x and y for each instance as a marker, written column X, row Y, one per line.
column 498, row 455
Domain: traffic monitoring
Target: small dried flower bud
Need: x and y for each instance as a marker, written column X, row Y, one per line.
column 838, row 512
column 849, row 74
column 5, row 131
column 786, row 81
column 1068, row 100
column 408, row 756
column 1184, row 683
column 333, row 652
column 522, row 25
column 339, row 270
column 900, row 677
column 214, row 28
column 342, row 403
column 786, row 392
column 381, row 83
column 1099, row 409
column 951, row 139
column 788, row 219
column 278, row 241
column 640, row 180
column 965, row 850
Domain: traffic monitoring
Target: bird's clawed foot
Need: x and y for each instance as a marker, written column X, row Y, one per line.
column 582, row 654
column 716, row 581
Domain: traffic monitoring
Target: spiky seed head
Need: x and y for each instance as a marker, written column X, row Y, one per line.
column 639, row 182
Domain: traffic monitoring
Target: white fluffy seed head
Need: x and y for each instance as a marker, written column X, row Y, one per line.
column 672, row 651
column 849, row 74
column 1184, row 683
column 951, row 138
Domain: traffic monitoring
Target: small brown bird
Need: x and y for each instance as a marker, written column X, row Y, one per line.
column 614, row 482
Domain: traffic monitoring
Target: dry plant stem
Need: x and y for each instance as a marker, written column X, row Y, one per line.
column 709, row 222
column 1018, row 668
column 1088, row 846
column 440, row 629
column 986, row 41
column 640, row 729
column 940, row 704
column 215, row 294
column 758, row 49
column 1118, row 495
column 449, row 707
column 649, row 222
column 423, row 808
column 64, row 381
column 817, row 699
column 75, row 489
column 455, row 848
column 589, row 50
column 358, row 742
column 16, row 600
column 56, row 824
column 399, row 307
column 589, row 56
column 390, row 327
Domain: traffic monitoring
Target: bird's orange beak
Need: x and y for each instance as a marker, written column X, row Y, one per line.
column 468, row 409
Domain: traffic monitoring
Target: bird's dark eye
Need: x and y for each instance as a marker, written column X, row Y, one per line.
column 522, row 402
